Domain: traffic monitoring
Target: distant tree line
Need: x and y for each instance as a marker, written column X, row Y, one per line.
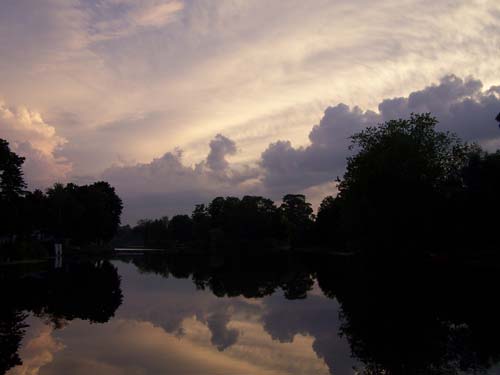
column 229, row 223
column 79, row 214
column 408, row 189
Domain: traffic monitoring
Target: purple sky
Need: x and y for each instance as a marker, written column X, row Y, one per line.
column 175, row 102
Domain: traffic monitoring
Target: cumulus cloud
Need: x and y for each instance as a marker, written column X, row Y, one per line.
column 38, row 349
column 222, row 336
column 227, row 64
column 461, row 106
column 220, row 147
column 317, row 317
column 166, row 186
column 31, row 137
column 294, row 169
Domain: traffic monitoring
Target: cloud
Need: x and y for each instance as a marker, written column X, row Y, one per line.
column 129, row 347
column 30, row 136
column 220, row 147
column 294, row 169
column 318, row 317
column 113, row 19
column 222, row 336
column 206, row 67
column 461, row 106
column 144, row 335
column 123, row 81
column 166, row 186
column 38, row 349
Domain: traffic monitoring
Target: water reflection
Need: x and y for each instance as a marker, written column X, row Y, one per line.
column 307, row 314
column 79, row 290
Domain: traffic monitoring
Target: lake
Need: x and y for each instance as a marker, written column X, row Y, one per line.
column 214, row 315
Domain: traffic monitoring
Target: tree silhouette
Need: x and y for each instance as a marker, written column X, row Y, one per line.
column 11, row 333
column 85, row 214
column 154, row 233
column 480, row 201
column 180, row 228
column 12, row 188
column 11, row 175
column 398, row 321
column 414, row 318
column 396, row 187
column 297, row 216
column 328, row 224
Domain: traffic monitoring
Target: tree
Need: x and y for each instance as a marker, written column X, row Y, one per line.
column 298, row 217
column 12, row 329
column 180, row 228
column 396, row 187
column 12, row 188
column 65, row 211
column 11, row 175
column 34, row 213
column 201, row 225
column 85, row 214
column 480, row 202
column 103, row 208
column 250, row 222
column 259, row 220
column 153, row 232
column 328, row 223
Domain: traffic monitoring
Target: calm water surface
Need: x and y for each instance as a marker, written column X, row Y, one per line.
column 154, row 316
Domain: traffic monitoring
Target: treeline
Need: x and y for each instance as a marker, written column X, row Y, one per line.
column 80, row 215
column 229, row 223
column 408, row 189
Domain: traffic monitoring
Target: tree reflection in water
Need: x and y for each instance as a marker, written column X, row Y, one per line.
column 418, row 317
column 80, row 290
column 423, row 317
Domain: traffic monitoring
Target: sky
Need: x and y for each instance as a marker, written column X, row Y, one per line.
column 175, row 102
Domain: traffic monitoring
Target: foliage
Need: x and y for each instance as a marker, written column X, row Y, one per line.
column 153, row 232
column 12, row 188
column 480, row 201
column 225, row 224
column 180, row 228
column 397, row 187
column 85, row 214
column 80, row 214
column 297, row 216
column 11, row 175
column 328, row 223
